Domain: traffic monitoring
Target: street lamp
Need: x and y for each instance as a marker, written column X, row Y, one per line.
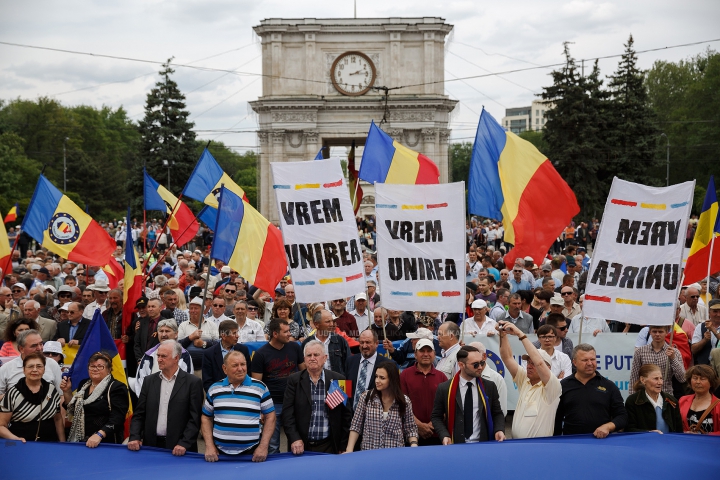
column 667, row 177
column 169, row 164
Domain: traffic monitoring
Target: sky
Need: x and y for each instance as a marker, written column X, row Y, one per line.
column 487, row 37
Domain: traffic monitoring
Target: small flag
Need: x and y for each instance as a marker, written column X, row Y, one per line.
column 12, row 214
column 335, row 395
column 346, row 386
column 708, row 228
column 319, row 155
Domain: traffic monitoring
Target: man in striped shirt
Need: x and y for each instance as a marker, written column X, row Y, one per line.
column 231, row 413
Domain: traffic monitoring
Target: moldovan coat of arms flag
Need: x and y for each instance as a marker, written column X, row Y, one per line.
column 54, row 221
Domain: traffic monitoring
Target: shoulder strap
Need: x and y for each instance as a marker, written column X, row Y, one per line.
column 707, row 412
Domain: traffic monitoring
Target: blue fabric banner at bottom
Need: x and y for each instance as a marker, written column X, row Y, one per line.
column 620, row 456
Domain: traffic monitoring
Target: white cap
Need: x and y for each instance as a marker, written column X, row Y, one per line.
column 479, row 303
column 361, row 296
column 225, row 269
column 196, row 301
column 557, row 300
column 422, row 333
column 20, row 285
column 545, row 356
column 35, row 266
column 529, row 259
column 424, row 342
column 64, row 307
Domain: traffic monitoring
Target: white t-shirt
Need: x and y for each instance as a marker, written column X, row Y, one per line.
column 470, row 327
column 11, row 372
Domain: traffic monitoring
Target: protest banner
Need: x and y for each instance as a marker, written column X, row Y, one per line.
column 635, row 270
column 614, row 357
column 421, row 250
column 319, row 229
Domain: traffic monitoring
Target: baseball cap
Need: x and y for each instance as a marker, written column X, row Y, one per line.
column 44, row 270
column 225, row 269
column 479, row 303
column 714, row 304
column 545, row 356
column 35, row 266
column 361, row 296
column 167, row 271
column 196, row 301
column 64, row 307
column 422, row 333
column 424, row 342
column 471, row 286
column 141, row 302
column 529, row 259
column 546, row 268
column 556, row 300
column 20, row 285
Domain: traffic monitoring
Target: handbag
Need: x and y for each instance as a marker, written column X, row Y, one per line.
column 696, row 428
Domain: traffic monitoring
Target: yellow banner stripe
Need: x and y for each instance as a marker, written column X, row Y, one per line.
column 428, row 294
column 325, row 281
column 413, row 207
column 626, row 301
column 653, row 206
column 307, row 185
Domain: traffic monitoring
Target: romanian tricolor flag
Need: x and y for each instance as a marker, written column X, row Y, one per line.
column 207, row 178
column 698, row 263
column 356, row 191
column 54, row 221
column 12, row 214
column 133, row 284
column 511, row 180
column 97, row 339
column 5, row 252
column 386, row 161
column 114, row 272
column 248, row 243
column 182, row 223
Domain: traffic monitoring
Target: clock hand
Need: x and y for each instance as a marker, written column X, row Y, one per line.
column 355, row 73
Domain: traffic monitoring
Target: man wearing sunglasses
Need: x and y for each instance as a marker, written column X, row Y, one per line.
column 691, row 310
column 570, row 307
column 467, row 408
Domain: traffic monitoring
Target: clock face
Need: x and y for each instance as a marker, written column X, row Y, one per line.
column 353, row 73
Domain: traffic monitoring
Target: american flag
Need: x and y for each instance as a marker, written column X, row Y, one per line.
column 335, row 395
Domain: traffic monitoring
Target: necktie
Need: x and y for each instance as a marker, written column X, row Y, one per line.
column 362, row 381
column 468, row 411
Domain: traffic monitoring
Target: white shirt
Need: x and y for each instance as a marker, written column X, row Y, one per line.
column 166, row 388
column 209, row 329
column 470, row 327
column 91, row 307
column 699, row 316
column 491, row 375
column 11, row 372
column 217, row 320
column 362, row 321
column 472, row 385
column 560, row 363
column 589, row 325
column 251, row 331
column 448, row 362
column 536, row 406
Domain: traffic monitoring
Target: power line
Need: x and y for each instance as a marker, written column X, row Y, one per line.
column 486, row 70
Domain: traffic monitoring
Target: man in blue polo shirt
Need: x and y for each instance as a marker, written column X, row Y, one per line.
column 231, row 413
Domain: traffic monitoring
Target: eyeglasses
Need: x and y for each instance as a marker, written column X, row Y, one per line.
column 517, row 271
column 566, row 293
column 52, row 354
column 252, row 309
column 562, row 329
column 64, row 295
column 689, row 296
column 547, row 337
column 20, row 291
column 218, row 305
column 96, row 367
column 230, row 291
column 481, row 363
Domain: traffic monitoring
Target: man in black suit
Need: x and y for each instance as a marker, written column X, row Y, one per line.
column 73, row 331
column 212, row 370
column 471, row 422
column 146, row 333
column 361, row 367
column 310, row 424
column 168, row 411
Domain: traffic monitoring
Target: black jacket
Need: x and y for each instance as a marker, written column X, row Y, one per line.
column 297, row 410
column 353, row 368
column 184, row 410
column 440, row 413
column 63, row 330
column 338, row 352
column 213, row 361
column 144, row 339
column 641, row 413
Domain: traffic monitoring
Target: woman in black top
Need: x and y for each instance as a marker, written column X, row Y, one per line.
column 30, row 410
column 99, row 405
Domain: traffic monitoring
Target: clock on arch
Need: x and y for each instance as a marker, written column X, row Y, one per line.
column 353, row 73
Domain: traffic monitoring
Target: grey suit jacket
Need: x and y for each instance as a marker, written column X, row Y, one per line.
column 48, row 328
column 440, row 414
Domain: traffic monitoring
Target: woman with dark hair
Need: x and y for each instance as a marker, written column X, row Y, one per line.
column 98, row 408
column 12, row 330
column 282, row 309
column 526, row 296
column 30, row 409
column 700, row 412
column 384, row 415
column 542, row 299
column 649, row 408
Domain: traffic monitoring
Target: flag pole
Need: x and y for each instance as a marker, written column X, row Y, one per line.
column 582, row 317
column 167, row 219
column 712, row 246
column 7, row 265
column 162, row 257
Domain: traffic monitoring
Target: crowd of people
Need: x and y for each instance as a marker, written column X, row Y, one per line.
column 213, row 357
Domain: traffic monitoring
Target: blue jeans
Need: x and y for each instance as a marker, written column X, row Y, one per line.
column 275, row 439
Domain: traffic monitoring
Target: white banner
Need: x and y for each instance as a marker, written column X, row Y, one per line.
column 636, row 267
column 319, row 229
column 421, row 249
column 614, row 357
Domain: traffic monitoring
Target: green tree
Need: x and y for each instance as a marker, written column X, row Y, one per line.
column 631, row 131
column 19, row 173
column 572, row 133
column 167, row 139
column 460, row 154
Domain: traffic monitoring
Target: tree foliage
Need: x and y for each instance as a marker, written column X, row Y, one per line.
column 460, row 154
